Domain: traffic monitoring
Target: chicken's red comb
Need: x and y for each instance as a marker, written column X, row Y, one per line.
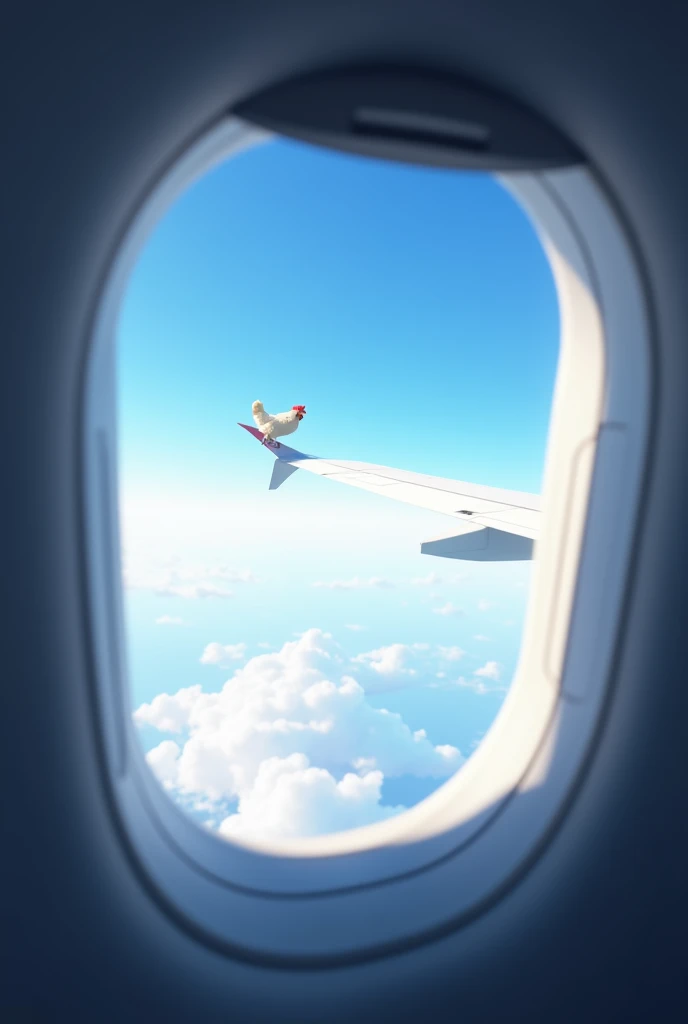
column 299, row 408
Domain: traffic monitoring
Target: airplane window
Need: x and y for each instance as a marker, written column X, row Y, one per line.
column 297, row 666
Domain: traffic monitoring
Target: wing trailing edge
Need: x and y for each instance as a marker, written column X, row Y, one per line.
column 491, row 524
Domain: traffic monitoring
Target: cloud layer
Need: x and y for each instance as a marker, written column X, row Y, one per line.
column 490, row 670
column 223, row 655
column 187, row 580
column 448, row 609
column 293, row 739
column 378, row 582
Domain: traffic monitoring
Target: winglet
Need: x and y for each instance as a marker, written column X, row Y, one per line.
column 281, row 471
column 282, row 468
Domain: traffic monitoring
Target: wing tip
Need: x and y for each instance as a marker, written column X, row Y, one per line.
column 253, row 431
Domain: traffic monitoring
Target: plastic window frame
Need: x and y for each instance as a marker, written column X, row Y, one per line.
column 361, row 893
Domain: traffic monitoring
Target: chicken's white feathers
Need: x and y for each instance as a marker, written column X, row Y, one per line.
column 275, row 426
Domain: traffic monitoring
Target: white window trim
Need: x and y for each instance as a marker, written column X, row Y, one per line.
column 362, row 892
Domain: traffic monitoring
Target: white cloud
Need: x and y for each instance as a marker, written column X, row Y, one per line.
column 355, row 584
column 481, row 637
column 490, row 670
column 223, row 572
column 484, row 605
column 296, row 715
column 292, row 798
column 190, row 581
column 445, row 749
column 365, row 764
column 169, row 620
column 169, row 713
column 354, row 627
column 400, row 665
column 431, row 580
column 264, row 646
column 476, row 685
column 387, row 661
column 222, row 654
column 451, row 653
column 448, row 609
column 193, row 591
column 163, row 761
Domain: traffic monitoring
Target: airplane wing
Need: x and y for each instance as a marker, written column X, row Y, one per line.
column 491, row 524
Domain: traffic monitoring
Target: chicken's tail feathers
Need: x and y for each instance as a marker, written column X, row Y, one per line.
column 259, row 414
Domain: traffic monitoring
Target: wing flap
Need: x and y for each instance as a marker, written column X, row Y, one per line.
column 481, row 545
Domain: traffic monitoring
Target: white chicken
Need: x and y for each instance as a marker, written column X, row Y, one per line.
column 280, row 424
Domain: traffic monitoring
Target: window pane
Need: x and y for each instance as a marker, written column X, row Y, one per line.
column 297, row 666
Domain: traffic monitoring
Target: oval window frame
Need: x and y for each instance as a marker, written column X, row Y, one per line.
column 364, row 892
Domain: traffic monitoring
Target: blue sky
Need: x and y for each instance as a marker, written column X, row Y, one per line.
column 414, row 314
